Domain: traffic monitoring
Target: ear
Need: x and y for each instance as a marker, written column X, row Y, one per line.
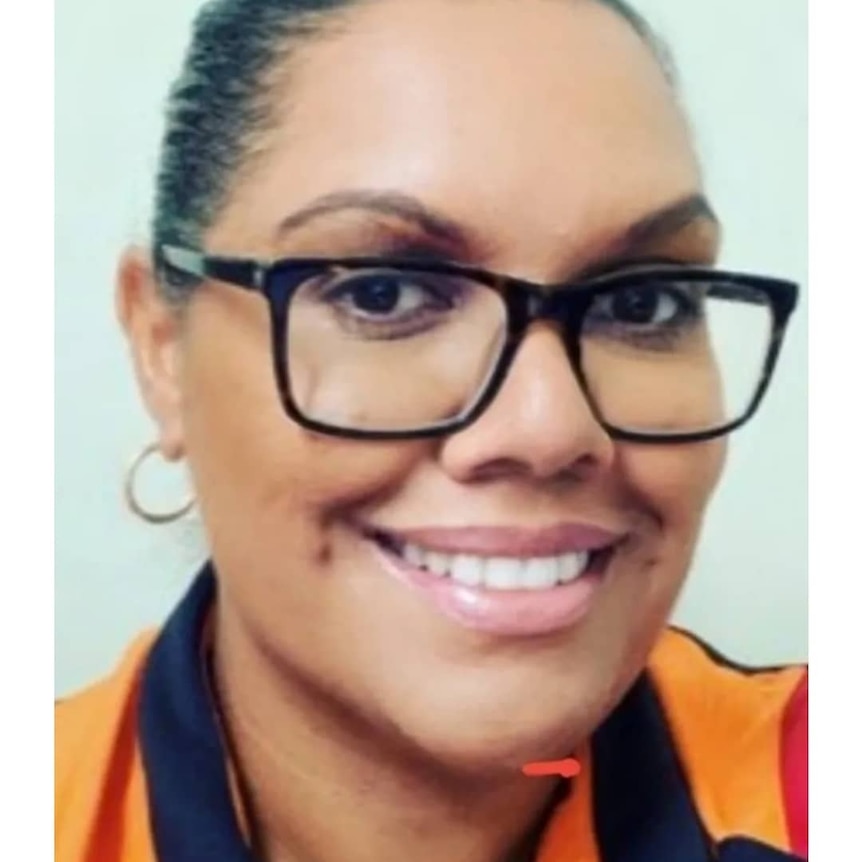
column 154, row 329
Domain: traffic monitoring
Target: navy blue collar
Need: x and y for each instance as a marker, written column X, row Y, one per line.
column 643, row 810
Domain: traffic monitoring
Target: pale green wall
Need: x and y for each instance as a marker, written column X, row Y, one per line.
column 744, row 69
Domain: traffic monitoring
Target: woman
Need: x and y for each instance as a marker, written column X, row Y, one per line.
column 432, row 314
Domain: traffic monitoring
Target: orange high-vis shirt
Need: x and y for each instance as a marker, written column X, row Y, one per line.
column 703, row 761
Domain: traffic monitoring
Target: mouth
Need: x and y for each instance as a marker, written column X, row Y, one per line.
column 503, row 581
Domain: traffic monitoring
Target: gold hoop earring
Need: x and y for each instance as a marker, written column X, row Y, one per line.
column 131, row 495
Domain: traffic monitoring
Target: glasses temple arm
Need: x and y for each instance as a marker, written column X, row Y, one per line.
column 237, row 271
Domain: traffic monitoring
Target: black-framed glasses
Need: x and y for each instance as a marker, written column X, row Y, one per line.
column 383, row 348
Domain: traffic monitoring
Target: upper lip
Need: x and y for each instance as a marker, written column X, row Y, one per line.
column 505, row 541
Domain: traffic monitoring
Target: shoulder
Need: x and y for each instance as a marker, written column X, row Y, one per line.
column 693, row 675
column 741, row 734
column 95, row 760
column 97, row 716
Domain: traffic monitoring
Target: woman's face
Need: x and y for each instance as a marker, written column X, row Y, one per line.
column 540, row 133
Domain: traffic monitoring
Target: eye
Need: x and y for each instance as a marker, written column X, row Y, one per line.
column 384, row 295
column 384, row 304
column 649, row 316
column 642, row 306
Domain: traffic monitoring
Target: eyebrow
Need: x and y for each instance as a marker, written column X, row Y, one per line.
column 666, row 222
column 659, row 225
column 390, row 203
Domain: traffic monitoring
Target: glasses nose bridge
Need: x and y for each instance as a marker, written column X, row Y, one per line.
column 555, row 303
column 531, row 302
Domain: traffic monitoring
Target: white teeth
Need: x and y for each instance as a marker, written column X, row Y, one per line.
column 438, row 563
column 539, row 574
column 467, row 570
column 500, row 573
column 572, row 565
column 413, row 555
column 503, row 573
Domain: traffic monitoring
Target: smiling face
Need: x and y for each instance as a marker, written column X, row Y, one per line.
column 528, row 138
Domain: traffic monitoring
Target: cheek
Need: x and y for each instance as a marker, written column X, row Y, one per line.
column 678, row 477
column 670, row 486
column 674, row 483
column 273, row 499
column 262, row 481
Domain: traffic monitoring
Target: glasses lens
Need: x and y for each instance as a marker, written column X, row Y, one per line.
column 391, row 350
column 674, row 357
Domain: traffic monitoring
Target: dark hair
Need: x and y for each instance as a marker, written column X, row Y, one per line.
column 218, row 105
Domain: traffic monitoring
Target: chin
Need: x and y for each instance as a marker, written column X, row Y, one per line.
column 500, row 751
column 482, row 741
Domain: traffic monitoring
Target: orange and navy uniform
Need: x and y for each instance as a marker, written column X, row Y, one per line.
column 703, row 761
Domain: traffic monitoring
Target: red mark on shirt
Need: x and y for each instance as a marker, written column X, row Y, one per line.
column 568, row 768
column 794, row 767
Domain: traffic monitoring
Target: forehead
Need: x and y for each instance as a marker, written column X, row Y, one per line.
column 529, row 121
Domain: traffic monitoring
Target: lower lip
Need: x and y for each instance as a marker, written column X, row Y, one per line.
column 508, row 613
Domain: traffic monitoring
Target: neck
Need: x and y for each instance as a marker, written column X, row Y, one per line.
column 319, row 785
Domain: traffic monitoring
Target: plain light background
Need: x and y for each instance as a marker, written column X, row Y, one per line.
column 743, row 66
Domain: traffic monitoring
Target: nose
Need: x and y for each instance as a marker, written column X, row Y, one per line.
column 540, row 424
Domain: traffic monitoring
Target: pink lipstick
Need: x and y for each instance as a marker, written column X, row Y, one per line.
column 507, row 581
